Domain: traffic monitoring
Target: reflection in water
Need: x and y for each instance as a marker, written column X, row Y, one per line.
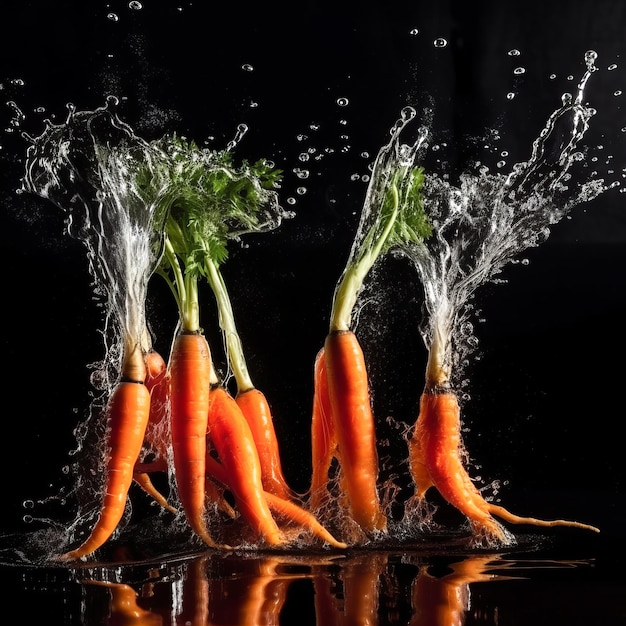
column 364, row 588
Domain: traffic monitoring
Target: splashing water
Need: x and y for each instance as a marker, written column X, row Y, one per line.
column 85, row 166
column 488, row 220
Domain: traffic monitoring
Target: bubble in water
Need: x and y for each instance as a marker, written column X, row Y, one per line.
column 113, row 17
column 613, row 66
column 302, row 174
column 414, row 31
column 510, row 95
column 303, row 156
column 135, row 5
column 291, row 200
column 514, row 53
column 617, row 93
column 246, row 67
column 28, row 504
column 342, row 102
column 440, row 42
column 552, row 76
column 301, row 191
column 301, row 137
column 27, row 519
column 519, row 70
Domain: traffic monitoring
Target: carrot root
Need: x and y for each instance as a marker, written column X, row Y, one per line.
column 354, row 428
column 435, row 461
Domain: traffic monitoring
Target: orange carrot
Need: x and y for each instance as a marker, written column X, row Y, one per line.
column 256, row 410
column 435, row 461
column 157, row 382
column 232, row 438
column 128, row 411
column 281, row 506
column 190, row 371
column 305, row 519
column 323, row 440
column 353, row 424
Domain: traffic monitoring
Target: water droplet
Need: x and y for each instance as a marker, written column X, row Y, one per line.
column 246, row 67
column 301, row 191
column 570, row 77
column 254, row 105
column 510, row 95
column 501, row 164
column 301, row 137
column 302, row 174
column 617, row 93
column 365, row 178
column 113, row 17
column 314, row 126
column 365, row 155
column 354, row 177
column 135, row 5
column 552, row 76
column 613, row 66
column 28, row 504
column 27, row 519
column 514, row 53
column 303, row 156
column 519, row 70
column 342, row 102
column 504, row 153
column 414, row 31
column 291, row 200
column 440, row 42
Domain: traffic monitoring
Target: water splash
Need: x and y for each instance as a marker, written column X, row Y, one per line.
column 486, row 220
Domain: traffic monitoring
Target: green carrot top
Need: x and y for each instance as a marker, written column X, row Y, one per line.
column 393, row 214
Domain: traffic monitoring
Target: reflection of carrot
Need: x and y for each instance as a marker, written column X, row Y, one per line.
column 353, row 424
column 124, row 609
column 435, row 461
column 127, row 412
column 232, row 438
column 190, row 371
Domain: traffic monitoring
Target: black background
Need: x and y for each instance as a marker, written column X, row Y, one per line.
column 546, row 387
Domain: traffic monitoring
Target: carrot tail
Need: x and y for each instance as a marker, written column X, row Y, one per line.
column 323, row 441
column 300, row 516
column 190, row 371
column 144, row 481
column 256, row 410
column 233, row 441
column 128, row 412
column 533, row 521
column 353, row 424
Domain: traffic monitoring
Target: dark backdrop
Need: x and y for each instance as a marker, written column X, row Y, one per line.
column 546, row 385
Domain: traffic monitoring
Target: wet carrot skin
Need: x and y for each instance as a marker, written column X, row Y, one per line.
column 323, row 440
column 232, row 438
column 353, row 423
column 190, row 370
column 256, row 410
column 128, row 413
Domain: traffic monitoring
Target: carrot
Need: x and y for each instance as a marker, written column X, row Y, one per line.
column 323, row 440
column 435, row 461
column 190, row 371
column 229, row 432
column 251, row 401
column 353, row 423
column 157, row 382
column 392, row 214
column 128, row 411
column 256, row 410
column 281, row 506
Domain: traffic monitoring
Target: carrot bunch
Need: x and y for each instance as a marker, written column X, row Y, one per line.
column 343, row 425
column 221, row 443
